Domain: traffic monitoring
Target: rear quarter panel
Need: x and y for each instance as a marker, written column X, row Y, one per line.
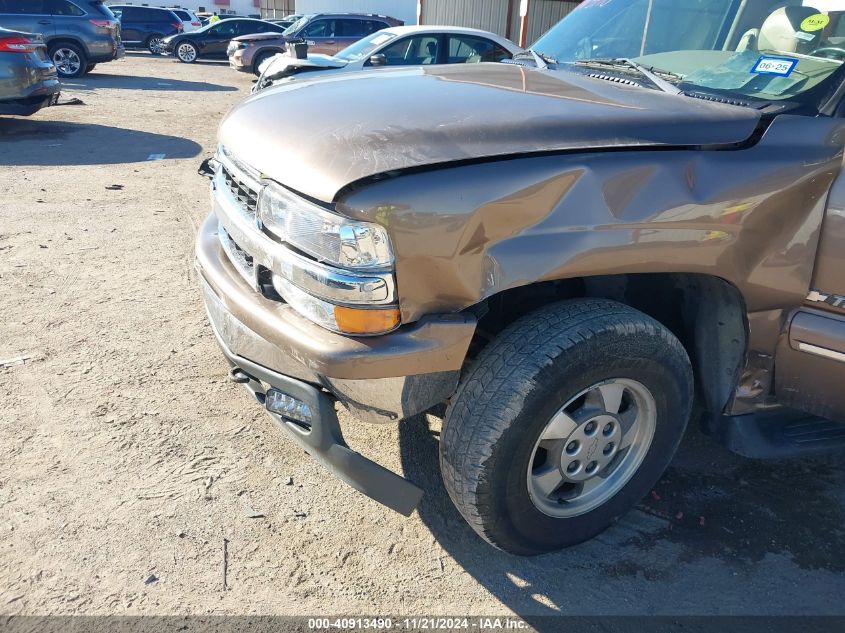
column 21, row 75
column 80, row 30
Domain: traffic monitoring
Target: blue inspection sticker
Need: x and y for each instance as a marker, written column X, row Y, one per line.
column 781, row 66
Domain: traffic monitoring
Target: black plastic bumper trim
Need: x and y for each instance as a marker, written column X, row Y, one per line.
column 324, row 441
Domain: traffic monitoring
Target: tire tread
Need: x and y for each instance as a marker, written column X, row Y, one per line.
column 491, row 393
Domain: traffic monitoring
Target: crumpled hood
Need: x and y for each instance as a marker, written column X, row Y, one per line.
column 319, row 136
column 282, row 64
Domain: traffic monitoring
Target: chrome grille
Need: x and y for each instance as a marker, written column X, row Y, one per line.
column 242, row 191
column 242, row 260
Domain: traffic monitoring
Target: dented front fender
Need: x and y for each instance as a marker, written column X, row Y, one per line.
column 462, row 233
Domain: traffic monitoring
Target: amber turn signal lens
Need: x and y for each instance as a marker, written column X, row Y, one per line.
column 357, row 321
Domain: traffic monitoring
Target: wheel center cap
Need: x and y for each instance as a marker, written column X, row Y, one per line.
column 590, row 448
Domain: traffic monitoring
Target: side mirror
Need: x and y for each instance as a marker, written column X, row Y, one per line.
column 378, row 60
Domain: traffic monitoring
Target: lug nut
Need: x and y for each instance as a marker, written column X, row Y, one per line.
column 608, row 448
column 590, row 428
column 573, row 467
column 608, row 429
column 573, row 447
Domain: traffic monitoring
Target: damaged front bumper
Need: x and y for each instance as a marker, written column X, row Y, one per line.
column 320, row 435
column 385, row 378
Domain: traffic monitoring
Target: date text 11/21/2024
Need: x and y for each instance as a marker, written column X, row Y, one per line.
column 423, row 623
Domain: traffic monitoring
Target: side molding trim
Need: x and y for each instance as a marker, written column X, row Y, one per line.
column 822, row 351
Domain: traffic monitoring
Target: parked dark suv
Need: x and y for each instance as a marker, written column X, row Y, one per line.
column 79, row 33
column 145, row 27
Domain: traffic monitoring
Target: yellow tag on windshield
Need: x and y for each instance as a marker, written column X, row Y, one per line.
column 815, row 22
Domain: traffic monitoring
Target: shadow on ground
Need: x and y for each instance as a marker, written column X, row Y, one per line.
column 40, row 142
column 718, row 535
column 95, row 81
column 137, row 52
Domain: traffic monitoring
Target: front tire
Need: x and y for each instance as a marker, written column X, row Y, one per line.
column 70, row 61
column 564, row 423
column 186, row 52
column 154, row 43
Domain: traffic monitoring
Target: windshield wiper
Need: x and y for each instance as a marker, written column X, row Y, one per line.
column 649, row 73
column 547, row 59
column 541, row 59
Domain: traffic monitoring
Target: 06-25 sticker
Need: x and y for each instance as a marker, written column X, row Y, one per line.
column 781, row 66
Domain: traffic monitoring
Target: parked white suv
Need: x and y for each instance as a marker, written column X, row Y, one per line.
column 190, row 21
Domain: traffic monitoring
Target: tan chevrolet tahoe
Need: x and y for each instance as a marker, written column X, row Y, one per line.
column 641, row 217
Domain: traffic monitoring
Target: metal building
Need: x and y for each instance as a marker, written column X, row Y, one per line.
column 405, row 10
column 521, row 21
column 277, row 8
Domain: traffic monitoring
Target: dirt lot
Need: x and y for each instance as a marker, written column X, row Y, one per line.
column 128, row 461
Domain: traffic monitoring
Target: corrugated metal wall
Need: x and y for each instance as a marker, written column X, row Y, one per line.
column 490, row 15
column 405, row 10
column 542, row 15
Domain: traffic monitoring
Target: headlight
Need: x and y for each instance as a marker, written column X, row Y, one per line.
column 335, row 271
column 325, row 236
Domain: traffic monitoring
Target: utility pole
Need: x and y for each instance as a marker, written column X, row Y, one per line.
column 523, row 23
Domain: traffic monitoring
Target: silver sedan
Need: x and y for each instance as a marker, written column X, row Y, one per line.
column 395, row 46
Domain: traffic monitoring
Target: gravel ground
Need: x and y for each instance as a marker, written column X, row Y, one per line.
column 129, row 464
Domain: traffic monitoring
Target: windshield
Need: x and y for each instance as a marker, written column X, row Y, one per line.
column 760, row 49
column 293, row 28
column 365, row 47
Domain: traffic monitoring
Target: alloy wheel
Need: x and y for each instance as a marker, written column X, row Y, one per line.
column 186, row 52
column 67, row 61
column 591, row 447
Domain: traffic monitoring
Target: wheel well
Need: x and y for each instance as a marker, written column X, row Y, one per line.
column 706, row 313
column 261, row 56
column 270, row 52
column 67, row 40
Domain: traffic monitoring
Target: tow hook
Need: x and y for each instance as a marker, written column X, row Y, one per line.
column 239, row 376
column 207, row 168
